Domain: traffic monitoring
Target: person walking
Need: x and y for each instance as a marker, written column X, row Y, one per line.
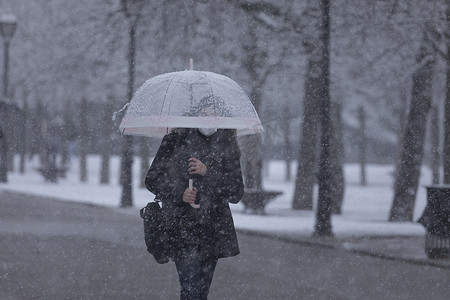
column 198, row 218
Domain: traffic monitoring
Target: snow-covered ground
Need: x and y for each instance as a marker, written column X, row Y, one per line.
column 365, row 209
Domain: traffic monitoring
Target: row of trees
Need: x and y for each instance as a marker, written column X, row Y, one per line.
column 334, row 55
column 412, row 140
column 435, row 34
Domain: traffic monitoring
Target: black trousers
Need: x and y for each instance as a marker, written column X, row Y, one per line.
column 195, row 272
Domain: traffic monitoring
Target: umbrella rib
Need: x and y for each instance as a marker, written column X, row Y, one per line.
column 252, row 107
column 212, row 93
column 164, row 100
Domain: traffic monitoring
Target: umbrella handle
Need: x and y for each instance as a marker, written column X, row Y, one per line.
column 191, row 186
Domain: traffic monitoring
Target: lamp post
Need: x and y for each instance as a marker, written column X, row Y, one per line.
column 8, row 24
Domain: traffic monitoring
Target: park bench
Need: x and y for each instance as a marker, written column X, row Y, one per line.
column 255, row 201
column 52, row 174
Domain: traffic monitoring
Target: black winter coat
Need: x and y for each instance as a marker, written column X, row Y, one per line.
column 210, row 228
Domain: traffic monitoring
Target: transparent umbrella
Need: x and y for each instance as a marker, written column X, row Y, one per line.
column 189, row 99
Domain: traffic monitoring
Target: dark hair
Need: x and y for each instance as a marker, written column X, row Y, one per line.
column 230, row 137
column 212, row 101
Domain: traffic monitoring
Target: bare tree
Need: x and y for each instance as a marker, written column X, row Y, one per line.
column 131, row 10
column 434, row 137
column 24, row 132
column 323, row 225
column 255, row 57
column 41, row 129
column 144, row 144
column 447, row 102
column 3, row 152
column 285, row 125
column 439, row 40
column 83, row 139
column 337, row 160
column 258, row 67
column 106, row 141
column 407, row 177
column 67, row 117
column 307, row 158
column 404, row 107
column 362, row 144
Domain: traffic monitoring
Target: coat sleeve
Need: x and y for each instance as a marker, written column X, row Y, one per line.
column 226, row 177
column 157, row 180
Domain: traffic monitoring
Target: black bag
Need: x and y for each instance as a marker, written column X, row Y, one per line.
column 155, row 233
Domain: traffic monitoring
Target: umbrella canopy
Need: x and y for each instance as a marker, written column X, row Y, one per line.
column 189, row 99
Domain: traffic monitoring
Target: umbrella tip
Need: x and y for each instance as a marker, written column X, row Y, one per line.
column 114, row 116
column 191, row 64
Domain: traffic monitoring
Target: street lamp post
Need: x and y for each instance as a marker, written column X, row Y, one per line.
column 8, row 24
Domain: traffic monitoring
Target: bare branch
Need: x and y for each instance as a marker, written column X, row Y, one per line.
column 434, row 38
column 274, row 66
column 266, row 20
column 256, row 9
column 438, row 50
column 394, row 9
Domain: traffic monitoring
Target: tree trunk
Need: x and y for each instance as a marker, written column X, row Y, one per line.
column 3, row 153
column 337, row 160
column 253, row 144
column 66, row 135
column 3, row 142
column 252, row 148
column 408, row 174
column 446, row 145
column 255, row 64
column 307, row 158
column 400, row 131
column 34, row 137
column 126, row 170
column 144, row 144
column 83, row 140
column 11, row 142
column 23, row 136
column 252, row 158
column 127, row 141
column 106, row 144
column 41, row 124
column 435, row 153
column 306, row 176
column 323, row 225
column 286, row 132
column 362, row 144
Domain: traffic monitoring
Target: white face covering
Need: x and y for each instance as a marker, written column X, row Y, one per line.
column 207, row 131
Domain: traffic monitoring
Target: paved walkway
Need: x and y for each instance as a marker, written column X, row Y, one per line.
column 402, row 248
column 51, row 249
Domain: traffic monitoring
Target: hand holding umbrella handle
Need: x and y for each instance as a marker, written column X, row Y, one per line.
column 191, row 186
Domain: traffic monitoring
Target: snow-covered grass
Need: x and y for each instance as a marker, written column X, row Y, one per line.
column 365, row 208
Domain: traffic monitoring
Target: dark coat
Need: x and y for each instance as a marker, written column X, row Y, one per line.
column 209, row 228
